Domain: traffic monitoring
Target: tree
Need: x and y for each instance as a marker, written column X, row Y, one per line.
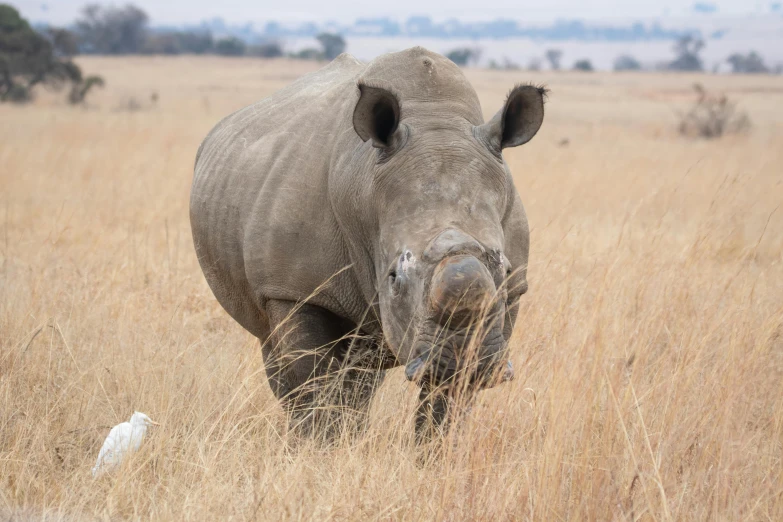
column 687, row 51
column 112, row 30
column 28, row 59
column 554, row 56
column 627, row 62
column 64, row 42
column 333, row 45
column 464, row 55
column 230, row 46
column 584, row 65
column 750, row 63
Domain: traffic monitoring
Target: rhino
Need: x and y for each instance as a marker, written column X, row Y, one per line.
column 364, row 218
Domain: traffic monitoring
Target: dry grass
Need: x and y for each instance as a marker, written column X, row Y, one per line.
column 649, row 351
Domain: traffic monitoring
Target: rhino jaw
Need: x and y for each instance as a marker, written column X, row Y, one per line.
column 417, row 367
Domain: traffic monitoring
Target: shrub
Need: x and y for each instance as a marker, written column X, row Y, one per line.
column 506, row 65
column 266, row 50
column 750, row 63
column 712, row 116
column 162, row 43
column 196, row 42
column 627, row 62
column 309, row 53
column 230, row 46
column 462, row 56
column 79, row 90
column 583, row 65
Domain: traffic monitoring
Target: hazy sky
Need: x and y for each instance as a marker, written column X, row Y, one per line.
column 190, row 11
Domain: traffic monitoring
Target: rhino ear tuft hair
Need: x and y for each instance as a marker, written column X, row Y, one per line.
column 519, row 119
column 376, row 116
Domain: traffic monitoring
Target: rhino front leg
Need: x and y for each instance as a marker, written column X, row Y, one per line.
column 321, row 382
column 432, row 415
column 438, row 409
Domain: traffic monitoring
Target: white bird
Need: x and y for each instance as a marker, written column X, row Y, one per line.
column 123, row 438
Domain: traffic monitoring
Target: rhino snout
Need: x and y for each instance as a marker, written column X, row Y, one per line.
column 461, row 288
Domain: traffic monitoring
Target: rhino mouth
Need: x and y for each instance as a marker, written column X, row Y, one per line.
column 447, row 356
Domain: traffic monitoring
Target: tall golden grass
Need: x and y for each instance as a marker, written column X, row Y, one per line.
column 648, row 351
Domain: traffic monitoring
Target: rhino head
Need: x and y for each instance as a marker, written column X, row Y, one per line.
column 445, row 237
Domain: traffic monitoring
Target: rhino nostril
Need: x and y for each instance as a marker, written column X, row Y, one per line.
column 395, row 283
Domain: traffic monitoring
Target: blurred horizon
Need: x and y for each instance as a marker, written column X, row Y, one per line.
column 179, row 12
column 500, row 34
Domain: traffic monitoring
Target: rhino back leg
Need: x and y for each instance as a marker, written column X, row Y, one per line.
column 324, row 378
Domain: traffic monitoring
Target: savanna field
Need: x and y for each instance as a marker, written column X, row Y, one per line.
column 648, row 351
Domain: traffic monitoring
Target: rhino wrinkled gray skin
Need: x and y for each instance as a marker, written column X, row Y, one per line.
column 364, row 218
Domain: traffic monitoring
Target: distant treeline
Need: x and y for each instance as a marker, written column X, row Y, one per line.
column 111, row 30
column 687, row 58
column 424, row 26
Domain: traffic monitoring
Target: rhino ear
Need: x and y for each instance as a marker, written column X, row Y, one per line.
column 519, row 119
column 376, row 116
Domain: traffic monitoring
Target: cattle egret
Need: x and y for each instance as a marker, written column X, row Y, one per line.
column 123, row 438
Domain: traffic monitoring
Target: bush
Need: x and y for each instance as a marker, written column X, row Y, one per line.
column 627, row 62
column 162, row 43
column 79, row 90
column 462, row 56
column 309, row 53
column 712, row 116
column 583, row 65
column 750, row 63
column 507, row 65
column 178, row 42
column 195, row 42
column 266, row 50
column 16, row 94
column 230, row 46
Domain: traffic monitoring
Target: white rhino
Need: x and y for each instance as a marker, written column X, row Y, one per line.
column 363, row 218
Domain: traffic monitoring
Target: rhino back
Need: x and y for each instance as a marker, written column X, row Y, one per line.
column 260, row 213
